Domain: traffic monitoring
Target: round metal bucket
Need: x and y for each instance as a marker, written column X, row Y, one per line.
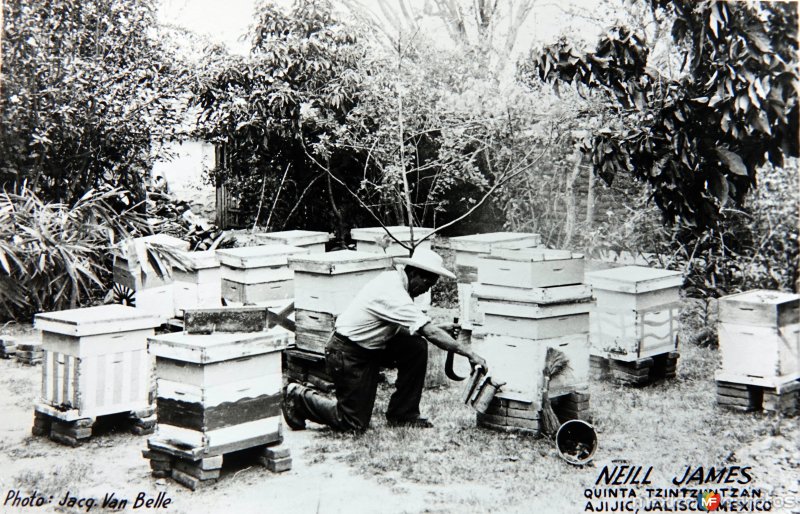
column 576, row 442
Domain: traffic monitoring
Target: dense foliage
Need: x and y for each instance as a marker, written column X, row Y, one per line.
column 87, row 90
column 696, row 138
column 55, row 256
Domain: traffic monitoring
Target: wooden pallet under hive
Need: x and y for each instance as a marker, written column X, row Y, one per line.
column 784, row 400
column 639, row 372
column 68, row 428
column 193, row 470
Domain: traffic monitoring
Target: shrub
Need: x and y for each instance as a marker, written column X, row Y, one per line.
column 55, row 256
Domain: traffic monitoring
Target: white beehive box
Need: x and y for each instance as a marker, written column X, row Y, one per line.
column 96, row 361
column 200, row 286
column 532, row 267
column 520, row 363
column 759, row 338
column 533, row 321
column 468, row 249
column 537, row 295
column 219, row 392
column 328, row 282
column 636, row 312
column 257, row 273
column 311, row 240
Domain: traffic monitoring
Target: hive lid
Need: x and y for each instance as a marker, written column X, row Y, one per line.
column 760, row 307
column 258, row 256
column 634, row 279
column 294, row 237
column 102, row 319
column 338, row 262
column 217, row 347
column 533, row 255
column 203, row 260
column 541, row 295
column 402, row 233
column 483, row 243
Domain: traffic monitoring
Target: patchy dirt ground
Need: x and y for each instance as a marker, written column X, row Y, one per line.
column 343, row 481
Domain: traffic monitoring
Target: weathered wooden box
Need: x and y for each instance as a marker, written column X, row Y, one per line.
column 326, row 283
column 311, row 240
column 759, row 338
column 132, row 268
column 150, row 291
column 200, row 286
column 313, row 329
column 95, row 360
column 257, row 273
column 468, row 249
column 527, row 268
column 219, row 392
column 520, row 362
column 636, row 312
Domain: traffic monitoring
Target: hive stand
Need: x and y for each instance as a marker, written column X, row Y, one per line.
column 8, row 347
column 96, row 364
column 219, row 391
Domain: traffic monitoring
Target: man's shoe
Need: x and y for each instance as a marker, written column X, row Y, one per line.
column 294, row 419
column 411, row 423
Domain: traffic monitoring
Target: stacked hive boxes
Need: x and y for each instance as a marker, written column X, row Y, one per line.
column 312, row 241
column 324, row 285
column 257, row 273
column 8, row 347
column 96, row 363
column 759, row 341
column 531, row 300
column 634, row 323
column 200, row 285
column 376, row 240
column 138, row 283
column 217, row 393
column 468, row 249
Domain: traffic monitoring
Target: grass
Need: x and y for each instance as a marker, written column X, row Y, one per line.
column 669, row 426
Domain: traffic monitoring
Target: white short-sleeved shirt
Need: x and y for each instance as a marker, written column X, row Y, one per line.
column 380, row 310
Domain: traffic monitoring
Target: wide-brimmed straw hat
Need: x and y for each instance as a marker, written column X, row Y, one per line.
column 427, row 260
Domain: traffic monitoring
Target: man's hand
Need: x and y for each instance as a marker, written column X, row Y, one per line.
column 453, row 329
column 477, row 360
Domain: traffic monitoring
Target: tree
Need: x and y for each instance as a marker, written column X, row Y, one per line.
column 87, row 88
column 697, row 139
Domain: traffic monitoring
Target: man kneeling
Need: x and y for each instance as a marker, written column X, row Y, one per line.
column 382, row 327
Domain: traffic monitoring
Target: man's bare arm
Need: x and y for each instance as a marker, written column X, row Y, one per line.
column 442, row 339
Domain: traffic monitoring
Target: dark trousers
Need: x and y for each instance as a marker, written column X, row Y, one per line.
column 354, row 371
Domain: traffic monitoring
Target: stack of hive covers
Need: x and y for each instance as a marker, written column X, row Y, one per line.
column 531, row 300
column 153, row 292
column 376, row 240
column 468, row 249
column 257, row 274
column 324, row 285
column 8, row 347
